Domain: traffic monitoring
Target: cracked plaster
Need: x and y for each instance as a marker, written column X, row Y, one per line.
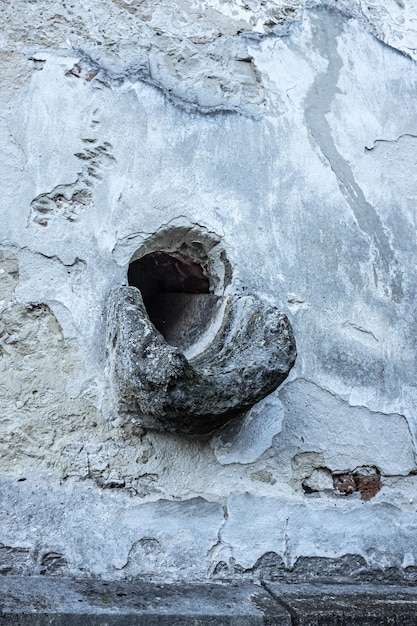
column 286, row 129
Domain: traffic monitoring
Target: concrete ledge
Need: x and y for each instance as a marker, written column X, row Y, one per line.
column 347, row 605
column 42, row 601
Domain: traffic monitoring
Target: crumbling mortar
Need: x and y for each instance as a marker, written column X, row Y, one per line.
column 345, row 568
column 368, row 481
column 131, row 75
column 69, row 200
column 289, row 15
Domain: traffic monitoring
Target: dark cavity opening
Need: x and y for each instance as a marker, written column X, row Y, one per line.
column 176, row 295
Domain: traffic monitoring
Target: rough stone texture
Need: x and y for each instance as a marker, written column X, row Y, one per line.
column 286, row 129
column 248, row 358
column 42, row 601
column 65, row 602
column 311, row 605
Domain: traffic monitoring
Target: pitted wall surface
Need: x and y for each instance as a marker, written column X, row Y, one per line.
column 286, row 131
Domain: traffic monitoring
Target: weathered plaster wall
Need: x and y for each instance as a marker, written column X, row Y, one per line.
column 287, row 129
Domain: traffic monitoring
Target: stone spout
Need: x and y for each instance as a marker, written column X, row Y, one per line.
column 249, row 356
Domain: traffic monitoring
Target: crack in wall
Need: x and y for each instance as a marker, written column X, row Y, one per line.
column 342, row 398
column 396, row 140
column 216, row 549
column 360, row 329
column 285, row 605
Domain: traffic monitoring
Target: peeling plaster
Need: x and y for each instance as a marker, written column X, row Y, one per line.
column 286, row 128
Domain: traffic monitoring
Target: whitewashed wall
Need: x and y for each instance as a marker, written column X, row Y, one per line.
column 288, row 129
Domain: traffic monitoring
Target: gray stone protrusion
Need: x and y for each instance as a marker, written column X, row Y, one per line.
column 248, row 358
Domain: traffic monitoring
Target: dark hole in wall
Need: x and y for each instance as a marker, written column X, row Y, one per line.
column 176, row 295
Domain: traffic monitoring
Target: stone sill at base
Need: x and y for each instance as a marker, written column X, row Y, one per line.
column 50, row 601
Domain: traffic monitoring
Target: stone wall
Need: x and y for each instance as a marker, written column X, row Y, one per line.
column 287, row 132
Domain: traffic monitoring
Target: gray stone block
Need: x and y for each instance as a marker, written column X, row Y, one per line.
column 347, row 605
column 50, row 601
column 250, row 356
column 42, row 601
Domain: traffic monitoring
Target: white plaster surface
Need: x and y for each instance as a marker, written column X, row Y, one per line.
column 287, row 129
column 246, row 439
